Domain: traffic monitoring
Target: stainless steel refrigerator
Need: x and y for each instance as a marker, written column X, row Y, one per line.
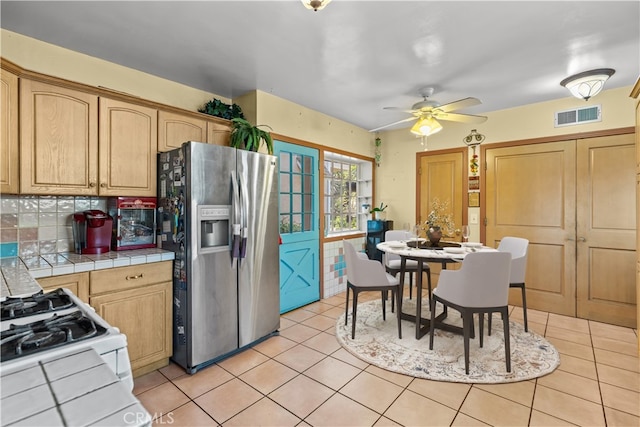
column 218, row 211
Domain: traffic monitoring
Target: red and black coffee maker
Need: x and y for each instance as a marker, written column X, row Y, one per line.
column 92, row 232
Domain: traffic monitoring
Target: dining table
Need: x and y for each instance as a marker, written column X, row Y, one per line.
column 422, row 251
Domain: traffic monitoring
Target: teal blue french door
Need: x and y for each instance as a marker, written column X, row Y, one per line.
column 299, row 225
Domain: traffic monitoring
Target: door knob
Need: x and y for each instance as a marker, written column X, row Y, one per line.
column 582, row 239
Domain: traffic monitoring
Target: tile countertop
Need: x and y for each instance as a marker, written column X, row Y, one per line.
column 19, row 274
column 71, row 390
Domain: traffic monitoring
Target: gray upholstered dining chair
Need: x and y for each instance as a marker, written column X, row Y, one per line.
column 481, row 285
column 364, row 274
column 392, row 261
column 518, row 248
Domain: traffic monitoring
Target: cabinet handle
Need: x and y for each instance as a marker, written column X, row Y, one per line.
column 137, row 276
column 103, row 185
column 92, row 184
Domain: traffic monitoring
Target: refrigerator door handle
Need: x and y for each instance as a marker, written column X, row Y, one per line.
column 236, row 225
column 243, row 216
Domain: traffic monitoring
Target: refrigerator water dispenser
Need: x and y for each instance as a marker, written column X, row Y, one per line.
column 214, row 230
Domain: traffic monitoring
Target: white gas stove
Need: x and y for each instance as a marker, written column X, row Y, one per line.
column 51, row 325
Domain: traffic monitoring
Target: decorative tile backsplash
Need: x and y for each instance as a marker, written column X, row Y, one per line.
column 335, row 268
column 35, row 225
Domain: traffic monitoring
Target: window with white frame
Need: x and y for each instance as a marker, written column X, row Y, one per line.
column 347, row 192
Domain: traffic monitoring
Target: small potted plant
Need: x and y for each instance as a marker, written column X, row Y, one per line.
column 217, row 108
column 248, row 137
column 378, row 212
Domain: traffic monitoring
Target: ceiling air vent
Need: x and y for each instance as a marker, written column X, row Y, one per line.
column 578, row 116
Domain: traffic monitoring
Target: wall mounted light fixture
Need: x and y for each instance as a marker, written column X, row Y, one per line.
column 316, row 5
column 587, row 84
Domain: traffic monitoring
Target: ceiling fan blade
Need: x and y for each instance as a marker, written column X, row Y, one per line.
column 404, row 110
column 457, row 117
column 394, row 123
column 459, row 104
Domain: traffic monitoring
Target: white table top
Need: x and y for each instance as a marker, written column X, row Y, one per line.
column 399, row 247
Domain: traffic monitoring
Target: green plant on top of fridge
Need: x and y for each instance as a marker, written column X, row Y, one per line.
column 248, row 137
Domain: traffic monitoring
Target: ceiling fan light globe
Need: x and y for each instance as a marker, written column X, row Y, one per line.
column 426, row 127
column 316, row 5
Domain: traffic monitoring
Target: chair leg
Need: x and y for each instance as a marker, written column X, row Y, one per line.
column 410, row 285
column 346, row 307
column 398, row 295
column 353, row 316
column 384, row 304
column 467, row 322
column 524, row 308
column 481, row 326
column 507, row 340
column 432, row 324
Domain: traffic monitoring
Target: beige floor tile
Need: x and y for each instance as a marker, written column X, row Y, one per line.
column 320, row 322
column 286, row 323
column 187, row 415
column 202, row 381
column 162, row 399
column 332, row 372
column 412, row 409
column 619, row 377
column 621, row 399
column 334, row 313
column 300, row 357
column 172, row 371
column 449, row 394
column 540, row 419
column 495, row 410
column 227, row 400
column 399, row 379
column 613, row 332
column 463, row 420
column 291, row 395
column 371, row 391
column 520, row 392
column 578, row 366
column 622, row 361
column 572, row 349
column 148, row 381
column 299, row 315
column 243, row 361
column 622, row 419
column 345, row 356
column 572, row 384
column 268, row 376
column 339, row 410
column 273, row 346
column 630, row 349
column 267, row 412
column 386, row 422
column 299, row 333
column 318, row 307
column 567, row 407
column 566, row 322
column 323, row 342
column 568, row 335
column 336, row 300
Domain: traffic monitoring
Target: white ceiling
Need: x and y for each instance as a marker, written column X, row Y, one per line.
column 354, row 57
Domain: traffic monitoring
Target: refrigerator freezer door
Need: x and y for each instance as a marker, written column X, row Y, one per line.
column 213, row 295
column 258, row 270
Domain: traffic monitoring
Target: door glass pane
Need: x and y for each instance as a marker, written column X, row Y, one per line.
column 297, row 223
column 285, row 203
column 308, row 165
column 297, row 184
column 284, row 183
column 307, row 203
column 297, row 203
column 308, row 183
column 285, row 224
column 297, row 163
column 285, row 161
column 308, row 222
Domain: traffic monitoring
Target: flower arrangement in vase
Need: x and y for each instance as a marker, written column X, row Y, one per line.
column 378, row 212
column 439, row 222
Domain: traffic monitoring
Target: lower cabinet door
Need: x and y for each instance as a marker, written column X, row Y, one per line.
column 144, row 315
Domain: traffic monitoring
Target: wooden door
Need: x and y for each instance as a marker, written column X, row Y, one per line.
column 174, row 129
column 8, row 132
column 530, row 193
column 442, row 175
column 606, row 230
column 128, row 149
column 58, row 140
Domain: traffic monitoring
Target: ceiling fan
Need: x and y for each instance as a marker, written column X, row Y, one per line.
column 427, row 111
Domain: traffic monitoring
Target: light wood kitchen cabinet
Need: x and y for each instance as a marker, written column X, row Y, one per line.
column 128, row 148
column 175, row 129
column 138, row 300
column 58, row 140
column 78, row 283
column 219, row 132
column 8, row 132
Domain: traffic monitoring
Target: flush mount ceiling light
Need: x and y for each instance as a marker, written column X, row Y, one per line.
column 316, row 5
column 426, row 126
column 587, row 84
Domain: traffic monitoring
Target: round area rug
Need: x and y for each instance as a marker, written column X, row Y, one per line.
column 377, row 342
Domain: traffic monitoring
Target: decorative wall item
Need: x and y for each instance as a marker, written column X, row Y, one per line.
column 378, row 155
column 474, row 183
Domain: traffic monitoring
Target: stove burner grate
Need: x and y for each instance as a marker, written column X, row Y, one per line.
column 22, row 340
column 14, row 308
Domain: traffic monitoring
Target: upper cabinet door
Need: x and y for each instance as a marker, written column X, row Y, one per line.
column 128, row 149
column 175, row 129
column 8, row 132
column 59, row 140
column 219, row 133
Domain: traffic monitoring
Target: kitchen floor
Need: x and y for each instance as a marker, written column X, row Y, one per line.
column 304, row 377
